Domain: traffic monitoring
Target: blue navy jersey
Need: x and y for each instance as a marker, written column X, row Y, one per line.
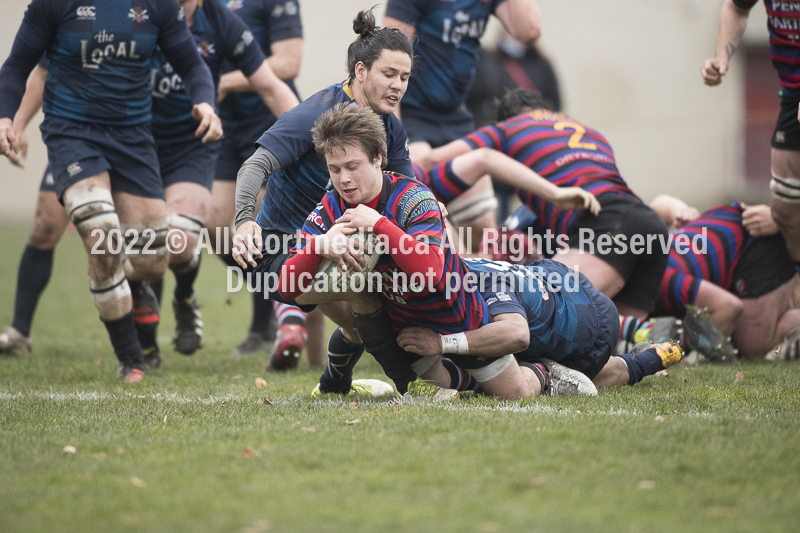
column 219, row 35
column 446, row 49
column 100, row 54
column 295, row 190
column 270, row 21
column 561, row 316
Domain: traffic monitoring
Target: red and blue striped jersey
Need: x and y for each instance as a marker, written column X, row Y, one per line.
column 783, row 22
column 720, row 234
column 410, row 206
column 561, row 150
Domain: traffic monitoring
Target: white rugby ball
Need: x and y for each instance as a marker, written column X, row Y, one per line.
column 366, row 243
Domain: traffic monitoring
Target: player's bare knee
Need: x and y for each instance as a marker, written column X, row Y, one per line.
column 45, row 234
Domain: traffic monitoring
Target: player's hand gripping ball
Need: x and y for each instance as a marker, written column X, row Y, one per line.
column 343, row 279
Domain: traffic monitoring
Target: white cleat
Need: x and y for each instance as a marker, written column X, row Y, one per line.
column 565, row 380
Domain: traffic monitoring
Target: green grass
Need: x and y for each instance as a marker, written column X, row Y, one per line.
column 725, row 457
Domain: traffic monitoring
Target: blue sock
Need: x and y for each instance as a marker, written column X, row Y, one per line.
column 35, row 268
column 342, row 358
column 642, row 364
column 122, row 333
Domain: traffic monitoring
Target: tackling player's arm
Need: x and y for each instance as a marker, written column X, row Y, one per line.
column 284, row 62
column 30, row 105
column 522, row 19
column 732, row 24
column 507, row 334
column 444, row 153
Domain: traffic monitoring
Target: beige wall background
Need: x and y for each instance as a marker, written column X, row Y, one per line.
column 629, row 68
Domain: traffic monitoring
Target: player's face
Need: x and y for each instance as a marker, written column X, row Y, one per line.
column 386, row 82
column 357, row 179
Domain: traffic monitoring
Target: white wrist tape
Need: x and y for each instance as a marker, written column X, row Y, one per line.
column 456, row 343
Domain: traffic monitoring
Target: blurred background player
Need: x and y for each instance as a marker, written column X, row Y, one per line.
column 378, row 65
column 784, row 41
column 567, row 153
column 447, row 44
column 278, row 30
column 187, row 165
column 96, row 129
column 733, row 261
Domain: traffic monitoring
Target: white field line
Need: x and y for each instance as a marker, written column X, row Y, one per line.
column 453, row 406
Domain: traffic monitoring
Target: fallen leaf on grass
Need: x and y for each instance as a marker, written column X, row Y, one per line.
column 138, row 482
column 351, row 422
column 312, row 429
column 296, row 424
column 69, row 449
column 265, row 446
column 223, row 403
column 739, row 377
column 247, row 452
column 353, row 405
column 538, row 481
column 660, row 418
column 260, row 383
column 120, row 450
column 647, row 484
column 399, row 405
column 99, row 362
column 238, row 376
column 490, row 527
column 749, row 418
column 100, row 456
column 380, row 435
column 702, row 376
column 662, row 373
column 668, row 396
column 165, row 419
column 268, row 400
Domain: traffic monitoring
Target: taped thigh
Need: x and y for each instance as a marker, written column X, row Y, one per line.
column 111, row 289
column 146, row 238
column 191, row 224
column 91, row 208
column 785, row 189
column 473, row 208
column 492, row 370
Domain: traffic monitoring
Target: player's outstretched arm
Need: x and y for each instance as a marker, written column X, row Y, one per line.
column 507, row 334
column 732, row 24
column 444, row 153
column 522, row 19
column 276, row 94
column 30, row 105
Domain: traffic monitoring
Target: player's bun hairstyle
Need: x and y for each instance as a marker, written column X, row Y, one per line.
column 372, row 40
column 518, row 101
column 349, row 124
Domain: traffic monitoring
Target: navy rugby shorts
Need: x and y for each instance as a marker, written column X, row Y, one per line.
column 189, row 161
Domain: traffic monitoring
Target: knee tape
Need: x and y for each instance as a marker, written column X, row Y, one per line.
column 492, row 370
column 191, row 224
column 146, row 238
column 111, row 289
column 472, row 209
column 91, row 208
column 785, row 189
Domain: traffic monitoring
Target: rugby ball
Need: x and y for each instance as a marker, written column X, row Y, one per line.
column 366, row 244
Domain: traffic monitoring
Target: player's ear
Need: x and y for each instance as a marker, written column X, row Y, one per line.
column 361, row 71
column 378, row 161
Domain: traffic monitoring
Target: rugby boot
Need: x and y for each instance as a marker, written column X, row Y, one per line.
column 145, row 314
column 665, row 329
column 152, row 357
column 188, row 325
column 12, row 342
column 670, row 353
column 289, row 344
column 420, row 388
column 254, row 343
column 702, row 336
column 129, row 374
column 562, row 381
column 788, row 350
column 362, row 387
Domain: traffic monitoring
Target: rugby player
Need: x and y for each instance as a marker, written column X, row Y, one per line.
column 278, row 29
column 187, row 165
column 447, row 43
column 96, row 129
column 378, row 65
column 545, row 311
column 567, row 153
column 784, row 41
column 733, row 260
column 405, row 215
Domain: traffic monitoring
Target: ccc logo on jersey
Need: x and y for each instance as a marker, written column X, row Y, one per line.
column 233, row 5
column 205, row 48
column 86, row 13
column 138, row 14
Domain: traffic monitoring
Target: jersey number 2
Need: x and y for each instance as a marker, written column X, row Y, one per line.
column 575, row 139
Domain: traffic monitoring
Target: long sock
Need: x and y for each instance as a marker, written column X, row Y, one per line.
column 185, row 274
column 460, row 379
column 342, row 358
column 541, row 372
column 262, row 314
column 35, row 268
column 147, row 333
column 158, row 289
column 375, row 330
column 642, row 364
column 289, row 314
column 122, row 333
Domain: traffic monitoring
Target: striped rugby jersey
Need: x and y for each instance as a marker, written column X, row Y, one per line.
column 409, row 205
column 561, row 150
column 783, row 23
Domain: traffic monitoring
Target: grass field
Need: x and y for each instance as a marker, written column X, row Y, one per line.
column 196, row 448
